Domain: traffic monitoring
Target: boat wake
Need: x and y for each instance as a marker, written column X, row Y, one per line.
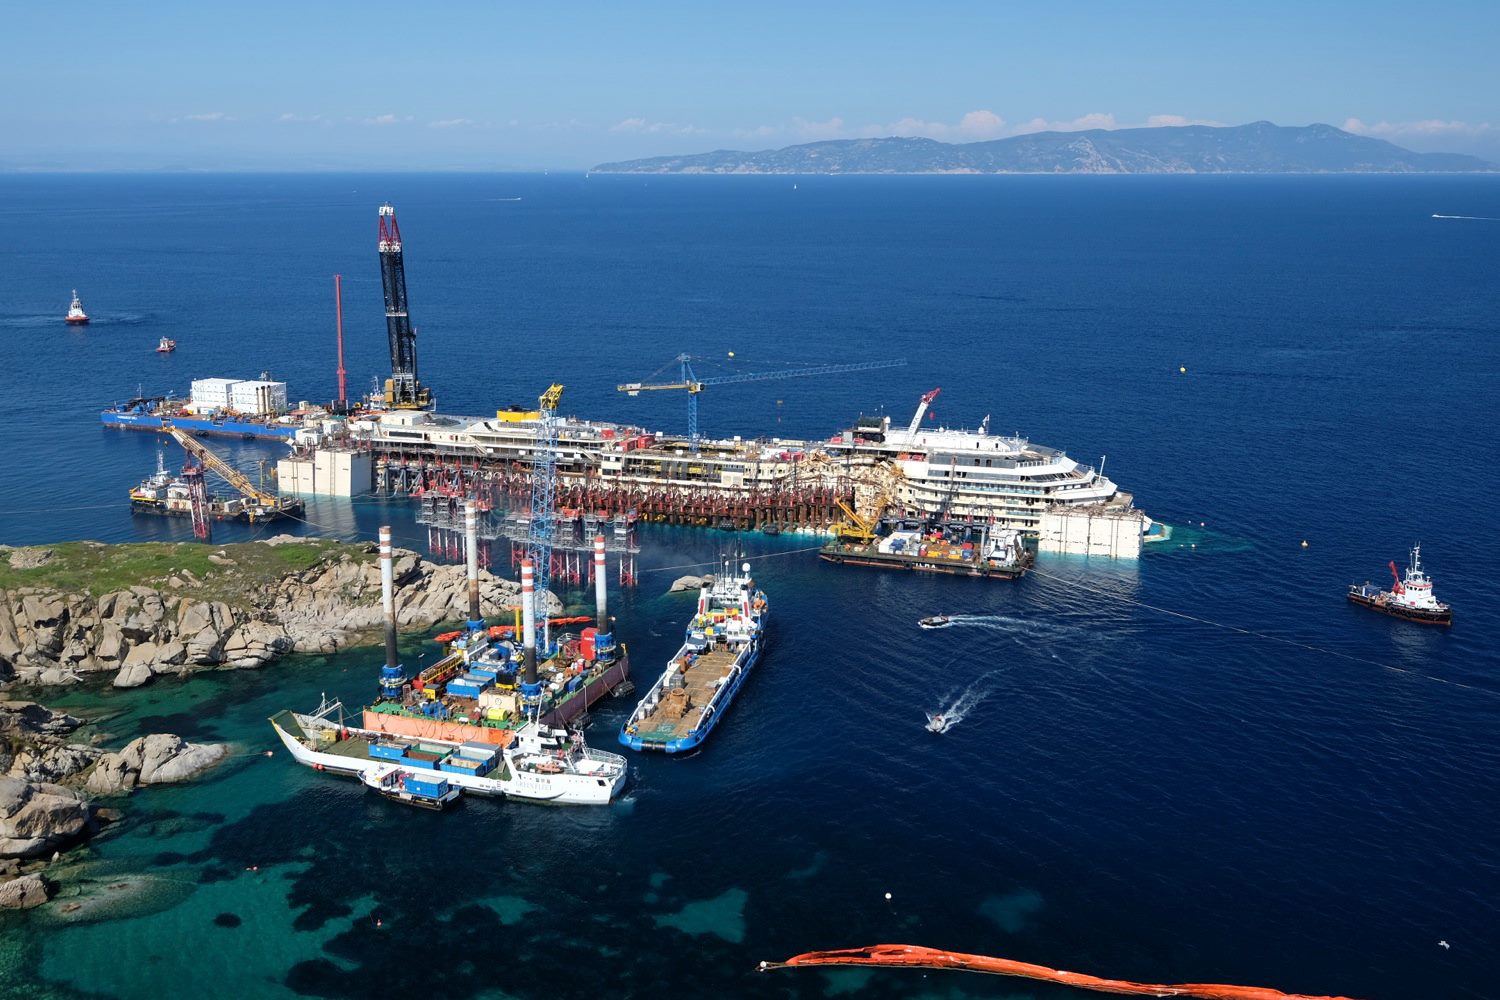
column 943, row 719
column 1014, row 626
column 1470, row 218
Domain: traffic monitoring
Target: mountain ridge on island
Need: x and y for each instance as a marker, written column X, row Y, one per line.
column 1257, row 148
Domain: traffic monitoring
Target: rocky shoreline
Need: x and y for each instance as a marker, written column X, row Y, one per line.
column 83, row 611
column 189, row 621
column 43, row 778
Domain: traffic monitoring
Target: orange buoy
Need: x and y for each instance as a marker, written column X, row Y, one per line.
column 916, row 957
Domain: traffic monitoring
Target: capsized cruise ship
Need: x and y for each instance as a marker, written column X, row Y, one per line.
column 910, row 471
column 960, row 474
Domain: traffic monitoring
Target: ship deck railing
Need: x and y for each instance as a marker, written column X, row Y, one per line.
column 603, row 756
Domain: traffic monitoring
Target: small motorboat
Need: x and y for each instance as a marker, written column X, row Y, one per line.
column 938, row 723
column 936, row 621
column 167, row 346
column 76, row 316
column 409, row 789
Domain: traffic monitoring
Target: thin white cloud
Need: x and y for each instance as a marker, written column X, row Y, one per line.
column 291, row 117
column 450, row 123
column 1426, row 127
column 833, row 128
column 1174, row 121
column 974, row 126
column 759, row 132
column 643, row 127
column 387, row 119
column 207, row 116
column 1094, row 119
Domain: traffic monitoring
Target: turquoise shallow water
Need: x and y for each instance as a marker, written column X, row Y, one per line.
column 1306, row 799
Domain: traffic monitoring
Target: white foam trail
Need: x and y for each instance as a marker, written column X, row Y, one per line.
column 1471, row 218
column 967, row 700
column 1013, row 626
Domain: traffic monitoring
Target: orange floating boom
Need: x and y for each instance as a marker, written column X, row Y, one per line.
column 914, row 957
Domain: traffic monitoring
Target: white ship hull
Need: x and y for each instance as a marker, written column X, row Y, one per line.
column 595, row 780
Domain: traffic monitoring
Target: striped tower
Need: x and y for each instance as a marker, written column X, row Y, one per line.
column 604, row 640
column 471, row 545
column 531, row 690
column 391, row 675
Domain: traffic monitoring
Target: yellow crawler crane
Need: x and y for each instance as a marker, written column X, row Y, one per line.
column 230, row 474
column 856, row 527
column 876, row 489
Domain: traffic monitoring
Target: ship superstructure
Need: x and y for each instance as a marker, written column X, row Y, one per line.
column 951, row 474
column 76, row 316
column 723, row 643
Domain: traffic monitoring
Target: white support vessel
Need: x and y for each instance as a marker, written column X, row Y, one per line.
column 541, row 764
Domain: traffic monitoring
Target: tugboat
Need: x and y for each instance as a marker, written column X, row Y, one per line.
column 1410, row 597
column 76, row 316
column 166, row 346
column 936, row 621
column 723, row 643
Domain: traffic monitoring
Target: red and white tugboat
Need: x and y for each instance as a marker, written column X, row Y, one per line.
column 1410, row 597
column 76, row 316
column 167, row 346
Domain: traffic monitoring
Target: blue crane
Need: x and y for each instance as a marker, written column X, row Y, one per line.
column 543, row 508
column 690, row 382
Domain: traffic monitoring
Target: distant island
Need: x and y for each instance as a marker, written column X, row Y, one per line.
column 1258, row 148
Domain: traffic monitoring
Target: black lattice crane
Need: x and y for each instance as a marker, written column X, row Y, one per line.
column 403, row 390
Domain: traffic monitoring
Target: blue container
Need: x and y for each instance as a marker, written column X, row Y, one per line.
column 458, row 765
column 419, row 784
column 488, row 673
column 386, row 751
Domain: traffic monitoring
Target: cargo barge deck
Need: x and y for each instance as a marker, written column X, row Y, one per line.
column 723, row 644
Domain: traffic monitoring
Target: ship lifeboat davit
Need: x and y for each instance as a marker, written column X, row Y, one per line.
column 76, row 316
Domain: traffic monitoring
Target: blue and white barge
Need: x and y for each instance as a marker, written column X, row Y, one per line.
column 723, row 644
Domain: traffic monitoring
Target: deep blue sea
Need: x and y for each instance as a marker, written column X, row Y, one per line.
column 1305, row 795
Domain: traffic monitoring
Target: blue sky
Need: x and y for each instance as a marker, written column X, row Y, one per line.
column 376, row 85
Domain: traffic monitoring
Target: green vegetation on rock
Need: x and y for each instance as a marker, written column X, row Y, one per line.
column 235, row 574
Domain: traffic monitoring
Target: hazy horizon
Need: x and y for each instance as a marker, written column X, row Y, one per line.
column 341, row 86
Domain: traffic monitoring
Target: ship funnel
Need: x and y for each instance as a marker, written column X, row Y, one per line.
column 528, row 626
column 601, row 587
column 703, row 589
column 471, row 545
column 390, row 676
